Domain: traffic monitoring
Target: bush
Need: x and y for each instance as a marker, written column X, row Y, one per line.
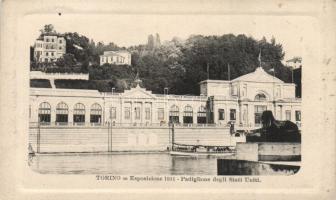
column 40, row 83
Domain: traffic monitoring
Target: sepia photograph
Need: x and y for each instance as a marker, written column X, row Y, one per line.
column 189, row 102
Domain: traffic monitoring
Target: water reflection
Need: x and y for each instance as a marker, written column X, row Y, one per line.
column 122, row 164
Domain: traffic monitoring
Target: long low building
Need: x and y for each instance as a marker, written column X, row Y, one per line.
column 240, row 101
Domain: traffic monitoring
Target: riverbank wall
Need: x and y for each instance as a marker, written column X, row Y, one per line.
column 104, row 139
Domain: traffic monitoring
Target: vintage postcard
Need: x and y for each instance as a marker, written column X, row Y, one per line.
column 143, row 99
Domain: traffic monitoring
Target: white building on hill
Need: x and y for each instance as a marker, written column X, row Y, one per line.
column 240, row 101
column 122, row 57
column 49, row 47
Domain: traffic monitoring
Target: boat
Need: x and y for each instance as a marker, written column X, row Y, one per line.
column 201, row 150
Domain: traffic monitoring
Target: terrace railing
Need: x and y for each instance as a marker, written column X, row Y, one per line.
column 130, row 125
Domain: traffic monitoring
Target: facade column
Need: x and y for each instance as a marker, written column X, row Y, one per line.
column 250, row 116
column 151, row 113
column 240, row 113
column 226, row 113
column 293, row 114
column 70, row 115
column 166, row 111
column 121, row 112
column 181, row 115
column 87, row 113
column 195, row 116
column 52, row 115
column 247, row 114
column 131, row 113
column 142, row 113
column 154, row 116
column 103, row 112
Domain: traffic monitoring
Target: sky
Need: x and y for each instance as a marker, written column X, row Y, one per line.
column 126, row 30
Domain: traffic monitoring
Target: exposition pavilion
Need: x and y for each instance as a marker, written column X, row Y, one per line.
column 239, row 101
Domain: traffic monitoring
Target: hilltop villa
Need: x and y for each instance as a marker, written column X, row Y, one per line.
column 122, row 57
column 49, row 47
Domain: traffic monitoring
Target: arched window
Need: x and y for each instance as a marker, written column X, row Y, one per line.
column 201, row 115
column 62, row 112
column 260, row 97
column 95, row 113
column 188, row 115
column 79, row 113
column 44, row 112
column 174, row 114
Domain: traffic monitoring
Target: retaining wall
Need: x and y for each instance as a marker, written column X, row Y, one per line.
column 95, row 139
column 269, row 151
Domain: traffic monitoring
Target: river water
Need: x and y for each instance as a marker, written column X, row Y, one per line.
column 124, row 164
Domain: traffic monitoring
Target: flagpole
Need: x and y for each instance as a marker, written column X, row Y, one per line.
column 208, row 71
column 259, row 58
column 229, row 75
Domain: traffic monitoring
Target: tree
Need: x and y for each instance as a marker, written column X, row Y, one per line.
column 150, row 43
column 48, row 28
column 67, row 60
column 177, row 64
column 157, row 42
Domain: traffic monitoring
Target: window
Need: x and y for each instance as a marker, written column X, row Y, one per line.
column 44, row 112
column 95, row 113
column 60, row 48
column 258, row 110
column 220, row 114
column 260, row 97
column 127, row 113
column 147, row 114
column 288, row 115
column 234, row 91
column 113, row 114
column 79, row 113
column 52, row 53
column 160, row 114
column 174, row 114
column 137, row 112
column 47, row 39
column 53, row 40
column 47, row 54
column 201, row 115
column 232, row 114
column 60, row 41
column 298, row 115
column 62, row 113
column 188, row 115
